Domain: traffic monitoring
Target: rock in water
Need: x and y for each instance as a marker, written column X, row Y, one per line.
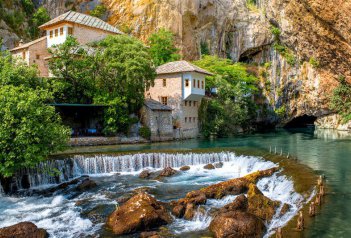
column 218, row 165
column 260, row 205
column 184, row 168
column 86, row 185
column 140, row 213
column 144, row 174
column 209, row 167
column 23, row 230
column 237, row 224
column 167, row 172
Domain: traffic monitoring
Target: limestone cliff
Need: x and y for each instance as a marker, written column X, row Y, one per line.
column 317, row 34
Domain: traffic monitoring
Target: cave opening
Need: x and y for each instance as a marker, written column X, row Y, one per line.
column 304, row 121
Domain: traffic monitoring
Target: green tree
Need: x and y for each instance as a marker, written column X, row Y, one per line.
column 341, row 99
column 30, row 129
column 124, row 71
column 17, row 73
column 74, row 68
column 39, row 17
column 99, row 11
column 232, row 108
column 162, row 47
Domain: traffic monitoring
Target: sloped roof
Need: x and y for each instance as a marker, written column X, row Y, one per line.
column 29, row 44
column 180, row 67
column 83, row 19
column 156, row 106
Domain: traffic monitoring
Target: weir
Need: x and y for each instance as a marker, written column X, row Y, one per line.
column 58, row 171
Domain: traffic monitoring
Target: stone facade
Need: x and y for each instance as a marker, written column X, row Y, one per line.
column 34, row 52
column 159, row 119
column 183, row 92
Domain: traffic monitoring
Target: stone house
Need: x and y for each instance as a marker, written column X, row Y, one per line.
column 84, row 28
column 158, row 118
column 181, row 86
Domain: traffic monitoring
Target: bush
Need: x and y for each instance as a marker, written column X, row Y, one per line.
column 276, row 33
column 145, row 132
column 341, row 99
column 314, row 62
column 281, row 112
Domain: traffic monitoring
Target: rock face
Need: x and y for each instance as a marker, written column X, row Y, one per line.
column 317, row 32
column 23, row 230
column 140, row 213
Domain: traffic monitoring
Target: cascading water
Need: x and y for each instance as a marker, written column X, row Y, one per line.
column 61, row 213
column 58, row 171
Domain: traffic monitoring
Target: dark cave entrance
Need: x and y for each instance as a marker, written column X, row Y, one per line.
column 304, row 121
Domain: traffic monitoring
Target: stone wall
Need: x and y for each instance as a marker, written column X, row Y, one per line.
column 97, row 141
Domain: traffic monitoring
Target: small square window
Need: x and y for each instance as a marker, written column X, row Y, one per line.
column 187, row 83
column 37, row 57
column 164, row 82
column 190, row 119
column 70, row 31
column 164, row 100
column 61, row 31
column 56, row 32
column 51, row 34
column 186, row 120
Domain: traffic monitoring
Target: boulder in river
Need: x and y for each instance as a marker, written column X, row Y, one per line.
column 260, row 205
column 85, row 185
column 235, row 186
column 168, row 172
column 237, row 224
column 218, row 165
column 140, row 213
column 209, row 167
column 185, row 168
column 145, row 174
column 23, row 230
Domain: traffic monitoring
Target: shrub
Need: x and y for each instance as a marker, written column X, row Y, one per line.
column 314, row 62
column 145, row 132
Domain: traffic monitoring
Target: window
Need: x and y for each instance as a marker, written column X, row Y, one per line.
column 164, row 100
column 56, row 32
column 164, row 82
column 23, row 55
column 194, row 103
column 189, row 103
column 70, row 31
column 187, row 83
column 186, row 103
column 198, row 83
column 190, row 119
column 37, row 56
column 61, row 31
column 186, row 120
column 202, row 84
column 194, row 83
column 51, row 34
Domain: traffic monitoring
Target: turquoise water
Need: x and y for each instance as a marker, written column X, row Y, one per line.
column 328, row 152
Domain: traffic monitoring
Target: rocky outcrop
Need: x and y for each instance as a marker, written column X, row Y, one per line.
column 233, row 220
column 140, row 213
column 23, row 230
column 333, row 121
column 235, row 186
column 237, row 224
column 167, row 172
column 185, row 168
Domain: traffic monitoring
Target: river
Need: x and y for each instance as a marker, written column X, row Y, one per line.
column 325, row 151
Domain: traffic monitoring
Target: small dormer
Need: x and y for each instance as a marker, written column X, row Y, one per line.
column 84, row 27
column 58, row 34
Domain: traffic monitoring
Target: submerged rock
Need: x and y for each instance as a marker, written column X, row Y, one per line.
column 150, row 234
column 209, row 167
column 218, row 165
column 237, row 224
column 239, row 204
column 23, row 230
column 185, row 168
column 140, row 213
column 86, row 184
column 145, row 174
column 189, row 211
column 285, row 209
column 186, row 206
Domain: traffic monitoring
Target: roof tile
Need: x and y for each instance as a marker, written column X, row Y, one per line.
column 180, row 67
